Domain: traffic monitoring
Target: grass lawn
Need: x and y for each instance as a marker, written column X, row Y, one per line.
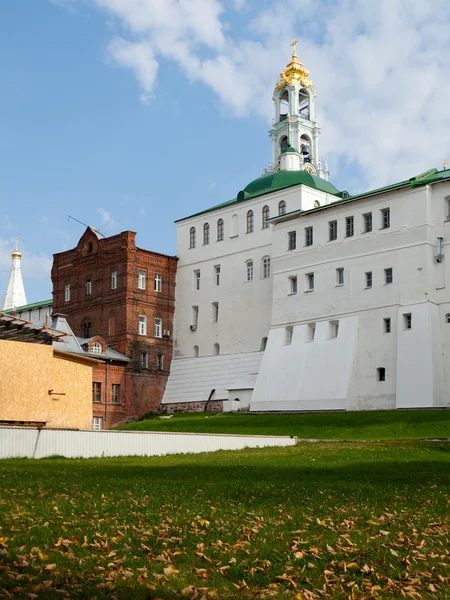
column 368, row 425
column 312, row 521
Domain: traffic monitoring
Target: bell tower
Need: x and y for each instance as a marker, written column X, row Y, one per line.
column 294, row 126
column 15, row 292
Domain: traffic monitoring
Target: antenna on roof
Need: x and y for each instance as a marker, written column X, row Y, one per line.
column 81, row 223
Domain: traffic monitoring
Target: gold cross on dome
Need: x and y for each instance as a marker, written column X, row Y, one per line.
column 294, row 46
column 17, row 244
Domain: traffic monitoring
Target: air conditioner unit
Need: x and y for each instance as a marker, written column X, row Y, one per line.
column 192, row 327
column 166, row 333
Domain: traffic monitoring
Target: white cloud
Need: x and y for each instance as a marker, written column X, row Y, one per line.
column 381, row 69
column 108, row 223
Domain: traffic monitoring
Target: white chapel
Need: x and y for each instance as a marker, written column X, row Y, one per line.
column 294, row 296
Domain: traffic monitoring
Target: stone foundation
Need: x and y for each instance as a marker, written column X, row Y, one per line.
column 213, row 406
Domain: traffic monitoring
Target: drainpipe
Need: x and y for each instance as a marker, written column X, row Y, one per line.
column 106, row 393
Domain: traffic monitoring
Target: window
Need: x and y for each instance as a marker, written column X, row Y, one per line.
column 144, row 360
column 196, row 351
column 192, row 237
column 447, row 318
column 266, row 267
column 282, row 207
column 250, row 221
column 309, row 282
column 97, row 423
column 96, row 348
column 381, row 373
column 332, row 230
column 263, row 344
column 249, row 266
column 197, row 279
column 216, row 349
column 96, row 391
column 265, row 217
column 142, row 277
column 385, row 218
column 388, row 276
column 87, row 329
column 67, row 292
column 292, row 240
column 368, row 279
column 160, row 362
column 217, row 274
column 387, row 325
column 339, row 276
column 447, row 205
column 158, row 283
column 206, row 234
column 142, row 327
column 310, row 332
column 88, row 287
column 349, row 226
column 293, row 285
column 288, row 333
column 157, row 329
column 220, row 230
column 114, row 280
column 367, row 222
column 115, row 393
column 308, row 236
column 194, row 318
column 215, row 312
column 333, row 328
column 407, row 321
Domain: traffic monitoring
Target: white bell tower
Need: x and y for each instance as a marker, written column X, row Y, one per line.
column 15, row 292
column 294, row 124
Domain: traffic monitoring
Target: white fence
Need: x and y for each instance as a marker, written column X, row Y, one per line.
column 31, row 442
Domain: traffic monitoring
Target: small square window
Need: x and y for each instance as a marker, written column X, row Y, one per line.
column 381, row 373
column 309, row 236
column 332, row 231
column 293, row 285
column 385, row 218
column 387, row 325
column 407, row 321
column 309, row 282
column 288, row 333
column 310, row 332
column 388, row 276
column 349, row 226
column 292, row 240
column 368, row 279
column 333, row 328
column 339, row 276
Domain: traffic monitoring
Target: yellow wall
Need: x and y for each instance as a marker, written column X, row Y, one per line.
column 29, row 371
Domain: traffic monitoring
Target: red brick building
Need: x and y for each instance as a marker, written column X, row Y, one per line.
column 124, row 296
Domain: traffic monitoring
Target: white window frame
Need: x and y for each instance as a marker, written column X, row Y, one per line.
column 339, row 277
column 385, row 218
column 197, row 280
column 142, row 280
column 97, row 423
column 66, row 293
column 367, row 222
column 293, row 285
column 192, row 237
column 96, row 348
column 309, row 236
column 369, row 279
column 349, row 226
column 310, row 282
column 266, row 267
column 88, row 287
column 142, row 325
column 160, row 362
column 332, row 230
column 114, row 280
column 292, row 240
column 249, row 270
column 158, row 283
column 217, row 274
column 388, row 274
column 143, row 359
column 157, row 327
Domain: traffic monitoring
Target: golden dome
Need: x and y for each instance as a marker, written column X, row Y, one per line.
column 16, row 253
column 294, row 72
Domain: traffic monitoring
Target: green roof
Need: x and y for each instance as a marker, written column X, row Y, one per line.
column 28, row 306
column 289, row 149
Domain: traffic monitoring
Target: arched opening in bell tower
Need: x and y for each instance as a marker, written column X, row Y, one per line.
column 284, row 143
column 305, row 148
column 284, row 105
column 303, row 104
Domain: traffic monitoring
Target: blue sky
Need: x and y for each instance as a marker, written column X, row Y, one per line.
column 129, row 115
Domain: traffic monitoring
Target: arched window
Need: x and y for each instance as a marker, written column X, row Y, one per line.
column 96, row 348
column 87, row 329
column 196, row 351
column 266, row 267
column 234, row 225
column 265, row 217
column 220, row 230
column 284, row 105
column 192, row 237
column 206, row 233
column 216, row 349
column 284, row 143
column 303, row 104
column 263, row 344
column 282, row 207
column 250, row 221
column 305, row 148
column 249, row 270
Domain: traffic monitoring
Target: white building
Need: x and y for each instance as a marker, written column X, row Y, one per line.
column 294, row 296
column 15, row 292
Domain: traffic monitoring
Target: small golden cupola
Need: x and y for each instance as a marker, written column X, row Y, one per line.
column 294, row 73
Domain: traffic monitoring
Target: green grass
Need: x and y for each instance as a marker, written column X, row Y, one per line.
column 344, row 521
column 368, row 425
